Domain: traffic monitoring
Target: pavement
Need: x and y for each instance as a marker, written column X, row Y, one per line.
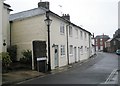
column 22, row 75
column 19, row 76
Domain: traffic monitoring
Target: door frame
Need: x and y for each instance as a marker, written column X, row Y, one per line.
column 75, row 53
column 79, row 54
column 56, row 62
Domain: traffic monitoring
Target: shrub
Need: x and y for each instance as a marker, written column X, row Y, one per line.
column 6, row 61
column 13, row 52
column 27, row 57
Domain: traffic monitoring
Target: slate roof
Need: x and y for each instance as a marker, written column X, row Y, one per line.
column 38, row 11
column 27, row 14
column 109, row 40
column 101, row 36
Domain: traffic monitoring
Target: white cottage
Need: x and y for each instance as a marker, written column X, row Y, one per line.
column 4, row 26
column 69, row 43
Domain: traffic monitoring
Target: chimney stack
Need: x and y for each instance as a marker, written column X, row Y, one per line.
column 43, row 4
column 66, row 16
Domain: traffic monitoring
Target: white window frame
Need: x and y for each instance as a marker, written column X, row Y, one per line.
column 76, row 30
column 85, row 48
column 62, row 49
column 62, row 28
column 81, row 34
column 85, row 35
column 71, row 49
column 79, row 52
column 70, row 31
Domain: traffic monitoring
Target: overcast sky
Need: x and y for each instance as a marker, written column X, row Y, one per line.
column 96, row 16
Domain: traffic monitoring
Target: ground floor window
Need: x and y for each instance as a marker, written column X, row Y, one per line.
column 62, row 50
column 71, row 49
column 81, row 49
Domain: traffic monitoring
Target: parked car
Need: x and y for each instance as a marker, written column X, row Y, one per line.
column 118, row 51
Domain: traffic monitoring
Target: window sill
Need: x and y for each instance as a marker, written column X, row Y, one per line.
column 70, row 54
column 62, row 33
column 62, row 56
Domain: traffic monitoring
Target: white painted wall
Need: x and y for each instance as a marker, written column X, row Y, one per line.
column 78, row 42
column 24, row 32
column 58, row 39
column 6, row 27
column 1, row 6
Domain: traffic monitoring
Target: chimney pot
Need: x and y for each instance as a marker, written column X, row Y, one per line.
column 66, row 16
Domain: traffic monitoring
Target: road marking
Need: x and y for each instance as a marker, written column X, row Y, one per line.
column 111, row 76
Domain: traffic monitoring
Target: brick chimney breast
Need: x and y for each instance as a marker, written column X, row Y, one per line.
column 44, row 5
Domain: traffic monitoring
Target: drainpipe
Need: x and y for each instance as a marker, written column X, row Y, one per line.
column 10, row 31
column 67, row 43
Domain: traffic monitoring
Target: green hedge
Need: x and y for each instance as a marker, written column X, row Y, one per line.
column 6, row 61
column 27, row 57
column 13, row 52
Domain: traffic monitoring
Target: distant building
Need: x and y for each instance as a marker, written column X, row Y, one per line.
column 93, row 45
column 117, row 33
column 108, row 45
column 115, row 42
column 100, row 42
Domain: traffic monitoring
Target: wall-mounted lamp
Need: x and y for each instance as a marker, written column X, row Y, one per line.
column 4, row 44
column 53, row 45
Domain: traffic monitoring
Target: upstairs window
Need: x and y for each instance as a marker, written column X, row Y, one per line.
column 85, row 36
column 81, row 34
column 62, row 28
column 70, row 31
column 76, row 33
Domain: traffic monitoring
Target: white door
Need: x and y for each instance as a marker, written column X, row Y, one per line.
column 56, row 56
column 75, row 54
column 79, row 54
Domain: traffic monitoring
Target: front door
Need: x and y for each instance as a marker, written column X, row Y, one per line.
column 79, row 54
column 56, row 56
column 75, row 54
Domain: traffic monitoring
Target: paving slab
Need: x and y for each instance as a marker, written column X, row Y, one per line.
column 17, row 76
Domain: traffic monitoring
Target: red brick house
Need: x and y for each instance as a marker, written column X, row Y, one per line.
column 100, row 42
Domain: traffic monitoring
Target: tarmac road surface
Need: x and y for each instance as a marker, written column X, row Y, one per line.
column 95, row 71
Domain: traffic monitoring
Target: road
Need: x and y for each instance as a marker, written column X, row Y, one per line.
column 94, row 71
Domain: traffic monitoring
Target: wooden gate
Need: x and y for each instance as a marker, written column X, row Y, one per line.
column 39, row 51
